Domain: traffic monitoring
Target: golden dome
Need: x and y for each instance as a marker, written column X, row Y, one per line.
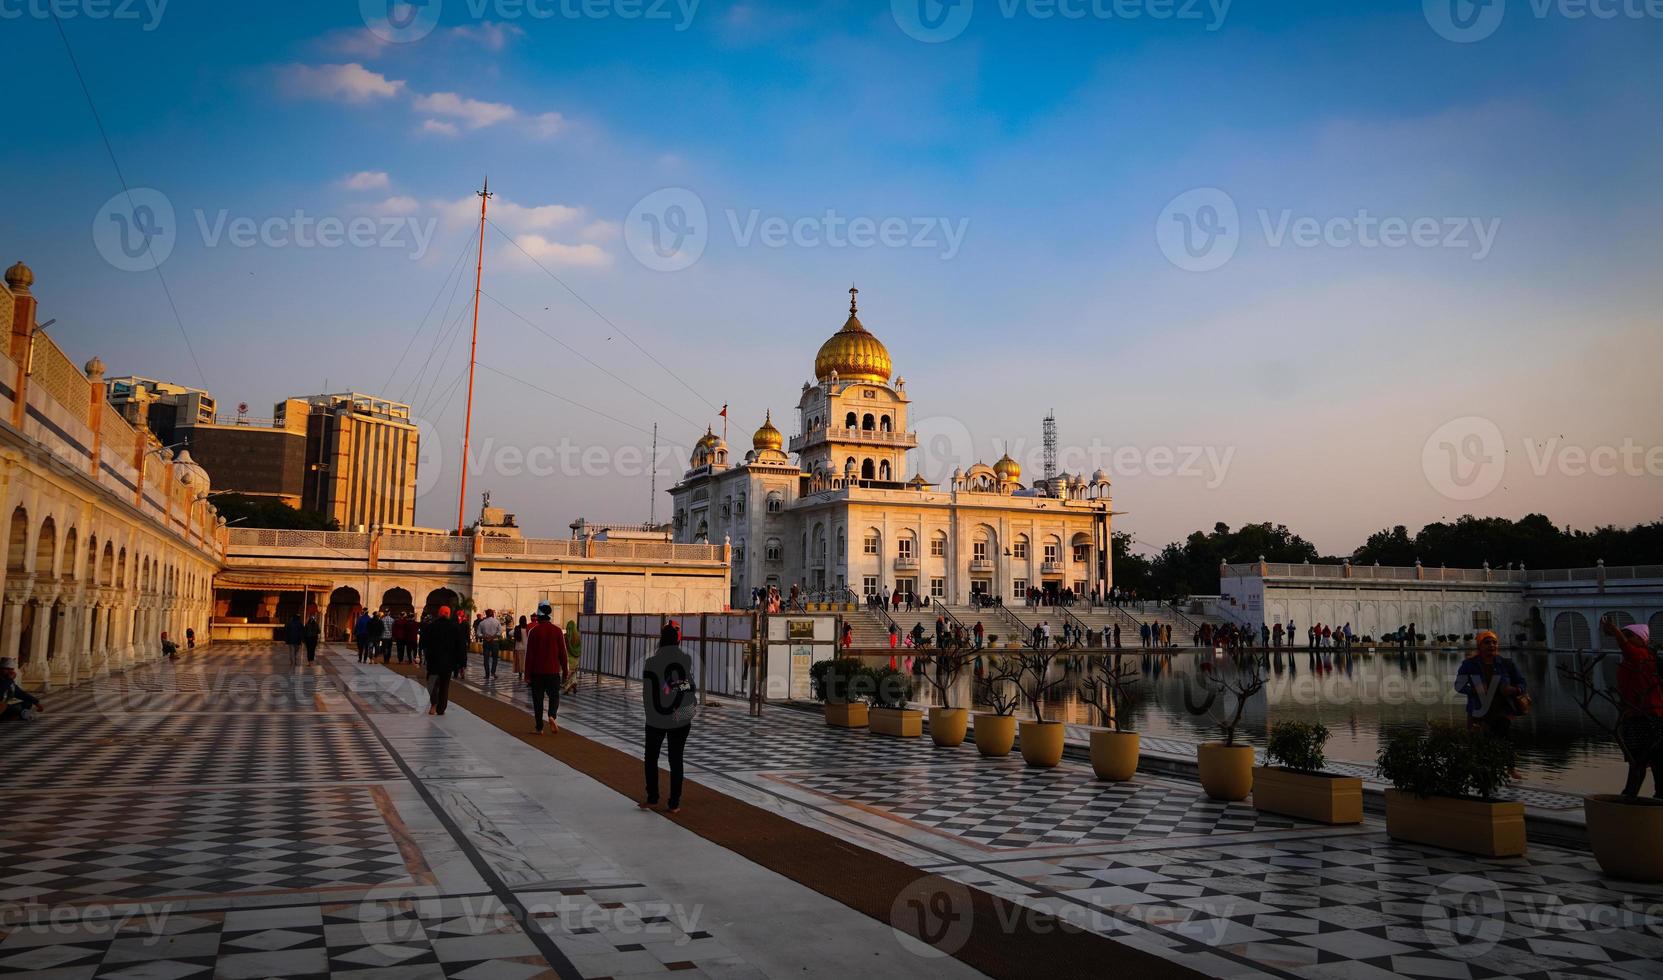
column 710, row 440
column 20, row 277
column 1008, row 469
column 853, row 353
column 768, row 437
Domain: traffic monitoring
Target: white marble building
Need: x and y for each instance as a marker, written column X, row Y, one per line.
column 845, row 514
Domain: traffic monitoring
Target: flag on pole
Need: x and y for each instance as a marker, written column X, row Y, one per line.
column 724, row 412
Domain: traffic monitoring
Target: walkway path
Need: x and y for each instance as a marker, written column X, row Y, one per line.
column 1216, row 887
column 228, row 815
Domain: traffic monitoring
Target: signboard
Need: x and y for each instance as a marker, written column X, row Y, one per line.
column 799, row 630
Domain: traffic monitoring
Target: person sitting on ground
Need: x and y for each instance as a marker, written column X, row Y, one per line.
column 16, row 704
column 170, row 649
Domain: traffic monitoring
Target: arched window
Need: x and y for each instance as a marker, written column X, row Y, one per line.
column 868, row 471
column 883, row 424
column 1019, row 547
column 851, row 421
column 774, row 552
column 938, row 544
column 842, row 543
column 904, row 546
column 883, row 470
column 871, row 543
column 775, row 502
column 868, row 423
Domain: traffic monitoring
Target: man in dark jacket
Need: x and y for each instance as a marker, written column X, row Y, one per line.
column 670, row 703
column 15, row 702
column 545, row 667
column 1493, row 685
column 442, row 649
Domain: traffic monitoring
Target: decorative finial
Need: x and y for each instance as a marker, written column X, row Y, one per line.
column 852, row 292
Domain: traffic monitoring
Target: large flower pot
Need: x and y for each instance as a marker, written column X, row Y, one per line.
column 851, row 715
column 1226, row 770
column 995, row 734
column 1042, row 743
column 1114, row 755
column 1627, row 836
column 1473, row 826
column 1308, row 795
column 948, row 725
column 897, row 722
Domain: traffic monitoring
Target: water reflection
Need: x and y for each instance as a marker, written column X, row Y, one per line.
column 1364, row 695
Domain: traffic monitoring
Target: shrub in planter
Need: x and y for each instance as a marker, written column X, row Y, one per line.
column 995, row 730
column 1042, row 740
column 942, row 671
column 1626, row 831
column 1226, row 768
column 890, row 714
column 1106, row 687
column 843, row 683
column 1291, row 782
column 1444, row 781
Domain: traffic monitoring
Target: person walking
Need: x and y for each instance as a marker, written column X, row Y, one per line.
column 1494, row 687
column 442, row 648
column 190, row 638
column 489, row 631
column 980, row 634
column 311, row 634
column 520, row 632
column 361, row 635
column 545, row 667
column 1117, row 636
column 384, row 635
column 848, row 639
column 670, row 703
column 1640, row 718
column 293, row 634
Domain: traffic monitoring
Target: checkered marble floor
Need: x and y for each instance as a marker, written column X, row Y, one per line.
column 233, row 815
column 1155, row 864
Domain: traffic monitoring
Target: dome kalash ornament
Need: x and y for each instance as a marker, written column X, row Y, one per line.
column 852, row 353
column 1008, row 469
column 768, row 437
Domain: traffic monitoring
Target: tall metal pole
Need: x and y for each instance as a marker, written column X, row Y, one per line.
column 473, row 352
column 652, row 499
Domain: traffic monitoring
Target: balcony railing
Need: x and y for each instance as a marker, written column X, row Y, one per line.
column 876, row 437
column 905, row 562
column 1051, row 566
column 981, row 565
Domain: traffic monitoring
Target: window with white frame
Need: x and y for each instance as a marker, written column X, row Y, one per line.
column 869, row 544
column 1082, row 552
column 938, row 588
column 903, row 547
column 1019, row 588
column 869, row 585
column 978, row 550
column 1050, row 551
column 1019, row 549
column 938, row 546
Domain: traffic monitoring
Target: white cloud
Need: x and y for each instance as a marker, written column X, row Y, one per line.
column 397, row 204
column 601, row 231
column 545, row 125
column 474, row 113
column 346, row 83
column 436, row 127
column 358, row 42
column 510, row 216
column 367, row 180
column 490, row 35
column 559, row 253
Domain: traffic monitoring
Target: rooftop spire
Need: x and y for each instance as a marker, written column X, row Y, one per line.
column 852, row 292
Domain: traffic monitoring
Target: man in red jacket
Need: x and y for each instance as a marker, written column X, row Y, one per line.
column 545, row 666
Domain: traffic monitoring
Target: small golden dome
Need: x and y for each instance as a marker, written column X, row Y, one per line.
column 767, row 437
column 853, row 353
column 20, row 277
column 1008, row 469
column 918, row 482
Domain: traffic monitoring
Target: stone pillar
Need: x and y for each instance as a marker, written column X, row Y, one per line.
column 37, row 669
column 15, row 600
column 95, row 637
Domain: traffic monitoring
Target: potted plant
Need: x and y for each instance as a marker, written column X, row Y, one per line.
column 1291, row 782
column 943, row 670
column 1226, row 768
column 1041, row 740
column 1625, row 830
column 841, row 683
column 890, row 714
column 1106, row 687
column 1444, row 781
column 995, row 731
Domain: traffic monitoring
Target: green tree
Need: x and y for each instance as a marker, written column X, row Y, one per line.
column 260, row 512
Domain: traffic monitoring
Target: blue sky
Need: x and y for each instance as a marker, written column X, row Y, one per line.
column 1313, row 375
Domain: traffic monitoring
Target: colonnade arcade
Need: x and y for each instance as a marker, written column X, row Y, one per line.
column 86, row 592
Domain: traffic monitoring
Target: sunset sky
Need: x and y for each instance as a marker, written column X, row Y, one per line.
column 1044, row 172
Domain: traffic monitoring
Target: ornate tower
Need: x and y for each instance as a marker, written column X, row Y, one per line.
column 853, row 422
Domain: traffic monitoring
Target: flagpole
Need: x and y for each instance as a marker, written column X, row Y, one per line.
column 473, row 352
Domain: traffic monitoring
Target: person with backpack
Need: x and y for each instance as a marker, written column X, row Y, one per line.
column 312, row 633
column 293, row 634
column 545, row 667
column 670, row 703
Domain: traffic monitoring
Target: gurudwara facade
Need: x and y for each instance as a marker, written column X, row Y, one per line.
column 845, row 514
